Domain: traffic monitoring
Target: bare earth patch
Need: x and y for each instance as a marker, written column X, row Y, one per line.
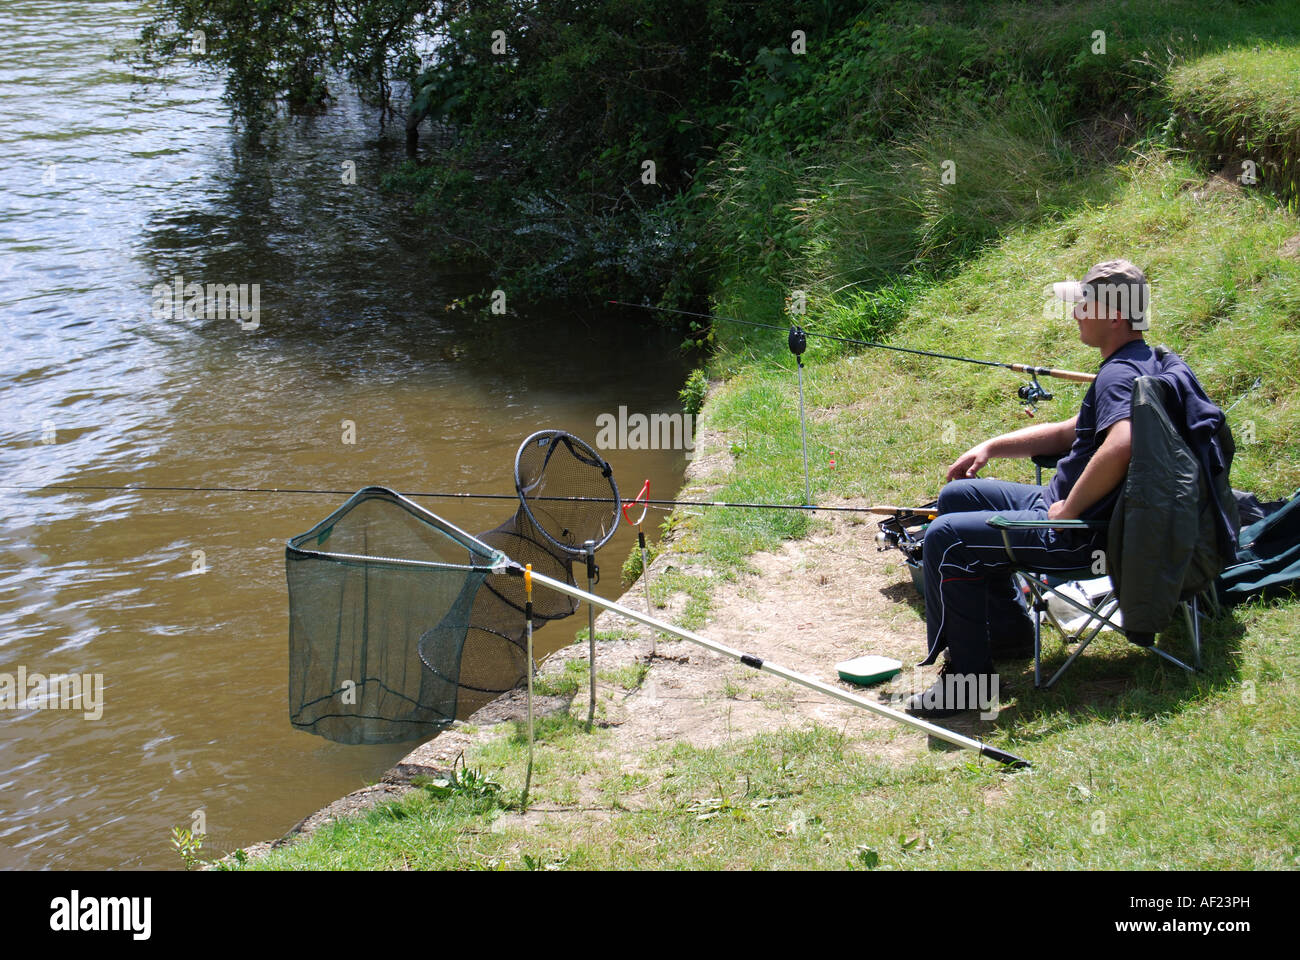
column 811, row 604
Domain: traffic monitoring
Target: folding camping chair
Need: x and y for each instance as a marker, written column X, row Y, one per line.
column 1099, row 612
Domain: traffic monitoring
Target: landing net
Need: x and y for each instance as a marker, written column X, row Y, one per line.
column 371, row 586
column 396, row 628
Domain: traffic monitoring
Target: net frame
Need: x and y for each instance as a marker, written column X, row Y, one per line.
column 494, row 560
column 531, row 502
column 388, row 703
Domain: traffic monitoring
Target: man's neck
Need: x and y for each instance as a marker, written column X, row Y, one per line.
column 1108, row 350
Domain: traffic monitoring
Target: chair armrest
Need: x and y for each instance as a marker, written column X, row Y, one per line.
column 1047, row 460
column 1002, row 523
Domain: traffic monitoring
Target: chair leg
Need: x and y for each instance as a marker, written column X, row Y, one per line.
column 1171, row 658
column 1037, row 609
column 1212, row 601
column 1193, row 613
column 1069, row 661
column 1038, row 641
column 1099, row 617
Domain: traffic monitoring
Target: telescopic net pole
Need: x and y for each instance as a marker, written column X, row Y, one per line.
column 812, row 683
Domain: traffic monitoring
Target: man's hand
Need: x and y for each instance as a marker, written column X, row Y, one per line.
column 1025, row 442
column 969, row 463
column 1059, row 511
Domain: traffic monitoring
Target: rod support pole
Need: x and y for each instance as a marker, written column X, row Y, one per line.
column 591, row 629
column 803, row 430
column 528, row 630
column 645, row 580
column 798, row 343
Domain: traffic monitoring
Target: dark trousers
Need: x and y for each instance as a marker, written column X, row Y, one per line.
column 970, row 598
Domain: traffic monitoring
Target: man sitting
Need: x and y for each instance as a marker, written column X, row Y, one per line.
column 972, row 607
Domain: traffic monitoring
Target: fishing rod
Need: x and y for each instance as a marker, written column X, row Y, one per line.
column 881, row 510
column 1259, row 382
column 1031, row 392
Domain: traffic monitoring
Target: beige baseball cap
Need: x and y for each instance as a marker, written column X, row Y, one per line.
column 1117, row 284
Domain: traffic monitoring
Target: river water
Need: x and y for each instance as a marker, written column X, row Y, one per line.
column 111, row 189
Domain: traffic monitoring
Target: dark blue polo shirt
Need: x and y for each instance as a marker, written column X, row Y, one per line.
column 1109, row 399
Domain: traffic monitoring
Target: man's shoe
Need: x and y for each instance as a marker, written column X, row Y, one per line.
column 952, row 693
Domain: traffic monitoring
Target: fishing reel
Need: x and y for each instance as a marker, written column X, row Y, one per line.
column 1031, row 393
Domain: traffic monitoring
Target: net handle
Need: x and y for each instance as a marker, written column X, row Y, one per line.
column 642, row 498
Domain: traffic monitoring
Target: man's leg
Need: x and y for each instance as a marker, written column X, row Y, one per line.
column 961, row 496
column 1010, row 626
column 959, row 597
column 963, row 558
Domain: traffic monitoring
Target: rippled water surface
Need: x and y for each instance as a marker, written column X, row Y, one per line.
column 111, row 188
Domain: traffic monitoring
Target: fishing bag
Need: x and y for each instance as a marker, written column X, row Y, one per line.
column 1268, row 556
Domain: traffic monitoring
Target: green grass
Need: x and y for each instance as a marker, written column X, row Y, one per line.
column 835, row 180
column 1244, row 104
column 1168, row 772
column 1259, row 80
column 565, row 684
column 696, row 588
column 628, row 678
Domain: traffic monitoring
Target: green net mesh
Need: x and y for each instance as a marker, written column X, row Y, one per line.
column 381, row 597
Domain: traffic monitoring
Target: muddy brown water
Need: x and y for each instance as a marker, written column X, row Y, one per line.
column 110, row 191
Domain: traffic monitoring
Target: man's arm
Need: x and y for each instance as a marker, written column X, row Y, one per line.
column 1104, row 472
column 1025, row 442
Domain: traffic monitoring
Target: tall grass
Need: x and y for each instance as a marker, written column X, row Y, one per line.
column 932, row 199
column 837, row 184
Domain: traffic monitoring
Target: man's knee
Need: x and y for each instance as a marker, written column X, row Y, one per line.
column 940, row 530
column 946, row 537
column 959, row 495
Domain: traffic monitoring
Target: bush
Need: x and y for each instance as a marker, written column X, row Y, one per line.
column 692, row 395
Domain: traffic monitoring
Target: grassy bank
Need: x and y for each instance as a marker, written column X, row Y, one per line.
column 1136, row 765
column 1172, row 773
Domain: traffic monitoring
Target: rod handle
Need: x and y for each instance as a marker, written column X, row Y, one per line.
column 889, row 511
column 1076, row 375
